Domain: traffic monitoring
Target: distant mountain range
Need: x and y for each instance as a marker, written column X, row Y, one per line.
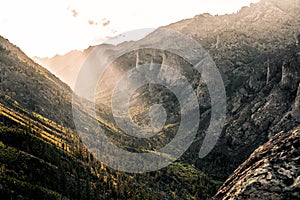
column 66, row 66
column 257, row 52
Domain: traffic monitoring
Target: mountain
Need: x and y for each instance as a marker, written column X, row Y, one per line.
column 43, row 157
column 257, row 53
column 66, row 71
column 43, row 93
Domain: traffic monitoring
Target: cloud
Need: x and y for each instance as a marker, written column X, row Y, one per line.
column 105, row 22
column 92, row 22
column 74, row 12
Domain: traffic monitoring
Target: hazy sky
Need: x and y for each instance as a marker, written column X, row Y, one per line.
column 49, row 27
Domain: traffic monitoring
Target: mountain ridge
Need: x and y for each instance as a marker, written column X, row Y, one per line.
column 257, row 53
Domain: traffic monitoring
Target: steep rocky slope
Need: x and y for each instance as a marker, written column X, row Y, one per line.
column 257, row 51
column 271, row 172
column 32, row 86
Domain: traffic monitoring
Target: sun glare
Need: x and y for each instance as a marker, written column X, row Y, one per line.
column 46, row 28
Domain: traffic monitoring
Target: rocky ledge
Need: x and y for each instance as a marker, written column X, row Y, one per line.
column 271, row 172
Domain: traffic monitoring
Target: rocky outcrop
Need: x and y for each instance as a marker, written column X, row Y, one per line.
column 271, row 172
column 296, row 107
column 290, row 74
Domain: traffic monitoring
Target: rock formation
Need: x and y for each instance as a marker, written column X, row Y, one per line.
column 271, row 172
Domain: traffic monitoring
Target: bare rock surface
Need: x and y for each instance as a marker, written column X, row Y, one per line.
column 271, row 172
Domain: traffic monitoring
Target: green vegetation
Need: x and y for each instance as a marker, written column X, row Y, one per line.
column 35, row 167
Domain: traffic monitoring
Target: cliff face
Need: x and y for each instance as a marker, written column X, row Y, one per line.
column 258, row 109
column 257, row 52
column 271, row 172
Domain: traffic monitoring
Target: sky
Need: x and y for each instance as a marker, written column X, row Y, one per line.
column 45, row 28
